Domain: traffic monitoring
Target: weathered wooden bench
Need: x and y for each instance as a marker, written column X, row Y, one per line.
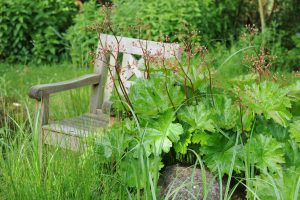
column 68, row 133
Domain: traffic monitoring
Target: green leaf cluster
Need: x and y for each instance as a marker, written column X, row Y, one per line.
column 284, row 185
column 269, row 99
column 32, row 30
column 81, row 38
column 245, row 127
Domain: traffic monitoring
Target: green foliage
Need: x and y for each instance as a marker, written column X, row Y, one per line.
column 134, row 175
column 269, row 99
column 295, row 131
column 198, row 117
column 185, row 140
column 81, row 38
column 226, row 112
column 233, row 122
column 271, row 128
column 293, row 91
column 242, row 124
column 292, row 153
column 32, row 30
column 156, row 93
column 293, row 54
column 18, row 40
column 161, row 17
column 280, row 186
column 266, row 152
column 129, row 154
column 219, row 153
column 130, row 148
column 36, row 31
column 162, row 134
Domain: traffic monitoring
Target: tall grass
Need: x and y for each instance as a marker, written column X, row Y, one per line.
column 68, row 175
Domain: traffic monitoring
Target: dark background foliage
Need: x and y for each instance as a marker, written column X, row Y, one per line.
column 32, row 30
column 48, row 31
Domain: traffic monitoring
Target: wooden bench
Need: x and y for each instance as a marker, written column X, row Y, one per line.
column 68, row 133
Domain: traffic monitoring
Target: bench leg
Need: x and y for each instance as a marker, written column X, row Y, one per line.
column 42, row 114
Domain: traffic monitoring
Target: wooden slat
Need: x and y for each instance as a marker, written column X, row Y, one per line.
column 109, row 85
column 97, row 93
column 37, row 91
column 66, row 129
column 79, row 126
column 84, row 123
column 138, row 46
column 128, row 63
column 42, row 115
column 64, row 141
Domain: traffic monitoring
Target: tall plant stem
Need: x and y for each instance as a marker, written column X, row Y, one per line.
column 262, row 18
column 241, row 120
column 261, row 15
column 210, row 87
column 166, row 85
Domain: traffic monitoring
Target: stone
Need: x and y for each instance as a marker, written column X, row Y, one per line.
column 183, row 183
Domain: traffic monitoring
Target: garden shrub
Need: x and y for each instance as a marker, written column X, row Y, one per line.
column 83, row 40
column 241, row 126
column 32, row 29
column 162, row 18
column 155, row 18
column 217, row 23
column 15, row 26
column 293, row 57
column 247, row 125
column 212, row 20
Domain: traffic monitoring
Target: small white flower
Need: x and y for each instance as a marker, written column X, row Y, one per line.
column 16, row 104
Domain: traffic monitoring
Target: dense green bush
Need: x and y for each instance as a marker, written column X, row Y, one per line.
column 36, row 31
column 217, row 23
column 286, row 14
column 155, row 18
column 31, row 30
column 161, row 18
column 83, row 40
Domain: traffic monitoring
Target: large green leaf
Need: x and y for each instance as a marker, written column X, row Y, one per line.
column 162, row 133
column 200, row 138
column 269, row 99
column 103, row 148
column 199, row 117
column 292, row 153
column 220, row 152
column 293, row 91
column 155, row 96
column 226, row 112
column 271, row 128
column 198, row 75
column 266, row 153
column 182, row 145
column 243, row 80
column 295, row 131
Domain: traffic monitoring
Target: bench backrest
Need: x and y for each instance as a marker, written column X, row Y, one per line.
column 108, row 52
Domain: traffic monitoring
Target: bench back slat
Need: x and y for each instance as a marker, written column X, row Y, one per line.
column 108, row 50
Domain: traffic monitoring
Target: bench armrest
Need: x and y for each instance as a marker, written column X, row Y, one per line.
column 37, row 91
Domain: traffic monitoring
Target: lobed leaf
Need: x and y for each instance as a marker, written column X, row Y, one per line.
column 266, row 153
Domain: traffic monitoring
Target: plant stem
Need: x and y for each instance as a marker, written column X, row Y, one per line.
column 261, row 15
column 241, row 120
